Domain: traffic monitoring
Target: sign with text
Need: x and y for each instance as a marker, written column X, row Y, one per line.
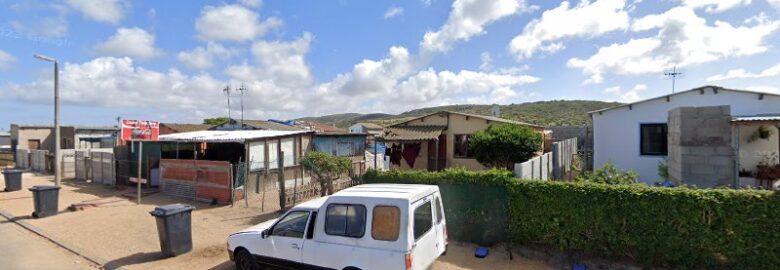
column 140, row 130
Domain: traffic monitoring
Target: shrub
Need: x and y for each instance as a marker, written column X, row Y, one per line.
column 501, row 146
column 670, row 227
column 609, row 174
column 325, row 168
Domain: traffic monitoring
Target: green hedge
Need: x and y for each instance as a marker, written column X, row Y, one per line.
column 672, row 227
column 475, row 203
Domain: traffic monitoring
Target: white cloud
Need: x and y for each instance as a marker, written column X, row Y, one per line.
column 376, row 78
column 427, row 3
column 585, row 20
column 774, row 3
column 6, row 60
column 133, row 42
column 626, row 96
column 52, row 27
column 683, row 39
column 393, row 12
column 251, row 3
column 203, row 58
column 486, row 61
column 468, row 18
column 111, row 11
column 714, row 6
column 232, row 22
column 739, row 73
column 117, row 82
column 285, row 61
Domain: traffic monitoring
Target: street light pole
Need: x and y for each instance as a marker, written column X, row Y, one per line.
column 57, row 139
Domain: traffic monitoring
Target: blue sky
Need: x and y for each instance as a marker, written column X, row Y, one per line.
column 169, row 60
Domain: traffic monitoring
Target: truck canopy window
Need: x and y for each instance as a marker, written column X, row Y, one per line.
column 347, row 220
column 386, row 223
column 439, row 211
column 423, row 220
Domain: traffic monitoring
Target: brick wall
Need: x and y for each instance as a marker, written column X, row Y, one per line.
column 699, row 146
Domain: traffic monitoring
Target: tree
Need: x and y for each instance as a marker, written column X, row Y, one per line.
column 216, row 121
column 325, row 168
column 501, row 146
column 609, row 174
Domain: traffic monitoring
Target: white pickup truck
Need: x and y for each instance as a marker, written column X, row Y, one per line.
column 374, row 226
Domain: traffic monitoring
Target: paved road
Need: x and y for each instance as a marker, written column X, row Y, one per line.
column 22, row 249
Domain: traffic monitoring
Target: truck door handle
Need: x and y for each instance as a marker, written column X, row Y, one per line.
column 295, row 246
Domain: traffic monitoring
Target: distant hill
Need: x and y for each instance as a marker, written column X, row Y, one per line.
column 545, row 113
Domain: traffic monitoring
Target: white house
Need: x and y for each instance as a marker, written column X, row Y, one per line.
column 366, row 128
column 634, row 136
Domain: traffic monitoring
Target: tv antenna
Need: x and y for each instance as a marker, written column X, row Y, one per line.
column 226, row 90
column 674, row 74
column 242, row 89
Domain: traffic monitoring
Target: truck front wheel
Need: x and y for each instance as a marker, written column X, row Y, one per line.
column 245, row 260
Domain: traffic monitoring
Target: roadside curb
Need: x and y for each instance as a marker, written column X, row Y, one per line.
column 75, row 250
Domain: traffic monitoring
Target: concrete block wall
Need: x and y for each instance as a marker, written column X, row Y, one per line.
column 700, row 151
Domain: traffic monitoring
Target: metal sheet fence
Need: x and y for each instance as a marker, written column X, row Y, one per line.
column 554, row 165
column 102, row 168
column 38, row 160
column 22, row 158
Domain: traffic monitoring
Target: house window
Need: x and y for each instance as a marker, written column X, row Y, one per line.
column 653, row 139
column 461, row 146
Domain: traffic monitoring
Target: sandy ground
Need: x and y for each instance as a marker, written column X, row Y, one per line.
column 125, row 234
column 22, row 249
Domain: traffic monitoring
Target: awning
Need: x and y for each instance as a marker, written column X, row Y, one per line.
column 756, row 118
column 413, row 133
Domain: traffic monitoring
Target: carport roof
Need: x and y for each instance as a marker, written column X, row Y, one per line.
column 239, row 136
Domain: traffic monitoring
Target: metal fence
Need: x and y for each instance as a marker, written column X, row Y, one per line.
column 555, row 165
column 22, row 158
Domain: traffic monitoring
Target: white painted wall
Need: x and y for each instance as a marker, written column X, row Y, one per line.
column 357, row 128
column 751, row 153
column 616, row 131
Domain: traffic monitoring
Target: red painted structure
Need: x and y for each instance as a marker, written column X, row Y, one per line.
column 201, row 180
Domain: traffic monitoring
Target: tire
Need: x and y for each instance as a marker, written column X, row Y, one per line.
column 245, row 260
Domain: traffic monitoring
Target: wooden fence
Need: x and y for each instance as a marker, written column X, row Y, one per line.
column 555, row 165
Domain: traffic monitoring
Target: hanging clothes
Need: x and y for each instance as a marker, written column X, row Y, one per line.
column 395, row 154
column 410, row 152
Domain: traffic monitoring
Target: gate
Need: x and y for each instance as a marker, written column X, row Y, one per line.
column 102, row 165
column 81, row 165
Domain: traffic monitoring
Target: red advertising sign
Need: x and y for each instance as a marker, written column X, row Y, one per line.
column 140, row 130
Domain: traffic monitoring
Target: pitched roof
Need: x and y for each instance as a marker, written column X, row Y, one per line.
column 413, row 133
column 319, row 127
column 700, row 89
column 491, row 118
column 268, row 125
column 371, row 126
column 186, row 127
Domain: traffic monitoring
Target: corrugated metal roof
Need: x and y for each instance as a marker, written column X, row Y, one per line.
column 751, row 118
column 227, row 135
column 413, row 133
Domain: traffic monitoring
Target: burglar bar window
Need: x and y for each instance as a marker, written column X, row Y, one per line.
column 653, row 139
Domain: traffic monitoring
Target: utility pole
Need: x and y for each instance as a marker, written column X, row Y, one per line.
column 242, row 89
column 226, row 90
column 57, row 139
column 674, row 74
